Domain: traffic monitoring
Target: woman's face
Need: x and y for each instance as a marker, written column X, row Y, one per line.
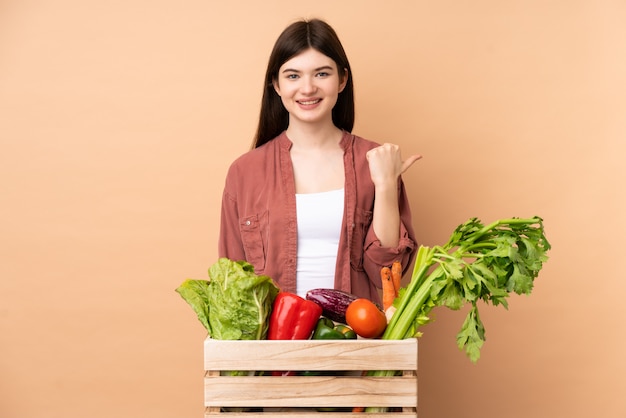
column 308, row 85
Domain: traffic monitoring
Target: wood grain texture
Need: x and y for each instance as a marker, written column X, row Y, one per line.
column 343, row 384
column 362, row 354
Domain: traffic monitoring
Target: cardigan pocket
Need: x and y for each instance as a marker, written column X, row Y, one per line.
column 253, row 232
column 362, row 222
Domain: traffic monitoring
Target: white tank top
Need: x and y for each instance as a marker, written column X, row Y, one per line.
column 319, row 216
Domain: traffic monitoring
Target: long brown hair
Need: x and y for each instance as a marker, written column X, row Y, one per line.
column 296, row 38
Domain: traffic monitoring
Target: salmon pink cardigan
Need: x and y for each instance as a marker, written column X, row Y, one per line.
column 258, row 218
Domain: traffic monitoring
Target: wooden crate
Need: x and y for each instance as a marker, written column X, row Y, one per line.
column 342, row 385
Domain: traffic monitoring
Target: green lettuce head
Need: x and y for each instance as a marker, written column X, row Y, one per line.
column 235, row 304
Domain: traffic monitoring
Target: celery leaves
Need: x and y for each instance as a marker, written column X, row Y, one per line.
column 479, row 262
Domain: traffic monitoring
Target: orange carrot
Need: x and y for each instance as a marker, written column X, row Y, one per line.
column 389, row 292
column 396, row 275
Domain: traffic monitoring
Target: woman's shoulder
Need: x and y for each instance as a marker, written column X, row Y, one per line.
column 257, row 155
column 255, row 163
column 249, row 157
column 360, row 143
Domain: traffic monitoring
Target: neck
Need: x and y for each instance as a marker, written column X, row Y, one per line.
column 314, row 136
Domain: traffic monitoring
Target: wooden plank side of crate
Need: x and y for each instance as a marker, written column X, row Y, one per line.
column 310, row 391
column 311, row 414
column 362, row 354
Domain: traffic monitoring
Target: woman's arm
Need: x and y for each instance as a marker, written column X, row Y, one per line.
column 376, row 256
column 230, row 244
column 386, row 166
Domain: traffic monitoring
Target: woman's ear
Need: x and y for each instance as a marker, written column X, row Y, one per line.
column 344, row 80
column 276, row 87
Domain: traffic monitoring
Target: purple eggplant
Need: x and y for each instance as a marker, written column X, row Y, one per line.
column 333, row 302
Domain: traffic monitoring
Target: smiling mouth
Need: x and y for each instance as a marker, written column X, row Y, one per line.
column 309, row 102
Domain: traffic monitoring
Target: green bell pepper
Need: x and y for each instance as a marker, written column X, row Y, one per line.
column 327, row 330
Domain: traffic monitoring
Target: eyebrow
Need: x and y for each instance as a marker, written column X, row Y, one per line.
column 293, row 70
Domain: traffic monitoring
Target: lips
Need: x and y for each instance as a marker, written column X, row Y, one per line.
column 309, row 102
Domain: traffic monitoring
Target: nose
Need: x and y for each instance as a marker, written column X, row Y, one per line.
column 308, row 85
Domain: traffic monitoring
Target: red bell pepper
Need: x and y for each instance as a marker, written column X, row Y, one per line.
column 293, row 317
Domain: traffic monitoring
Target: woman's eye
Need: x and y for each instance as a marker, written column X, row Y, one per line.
column 292, row 76
column 323, row 74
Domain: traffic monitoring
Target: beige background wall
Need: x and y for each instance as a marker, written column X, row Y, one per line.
column 118, row 121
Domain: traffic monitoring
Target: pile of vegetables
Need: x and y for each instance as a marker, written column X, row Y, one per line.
column 478, row 263
column 237, row 304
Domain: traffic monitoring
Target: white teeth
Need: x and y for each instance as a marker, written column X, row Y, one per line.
column 310, row 102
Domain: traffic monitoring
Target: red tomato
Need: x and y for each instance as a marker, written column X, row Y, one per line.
column 366, row 319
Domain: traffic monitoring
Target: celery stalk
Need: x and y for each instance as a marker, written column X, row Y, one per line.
column 478, row 262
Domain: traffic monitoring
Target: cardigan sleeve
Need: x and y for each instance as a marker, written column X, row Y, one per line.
column 376, row 256
column 230, row 244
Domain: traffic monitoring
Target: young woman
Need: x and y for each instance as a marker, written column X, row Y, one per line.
column 312, row 205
